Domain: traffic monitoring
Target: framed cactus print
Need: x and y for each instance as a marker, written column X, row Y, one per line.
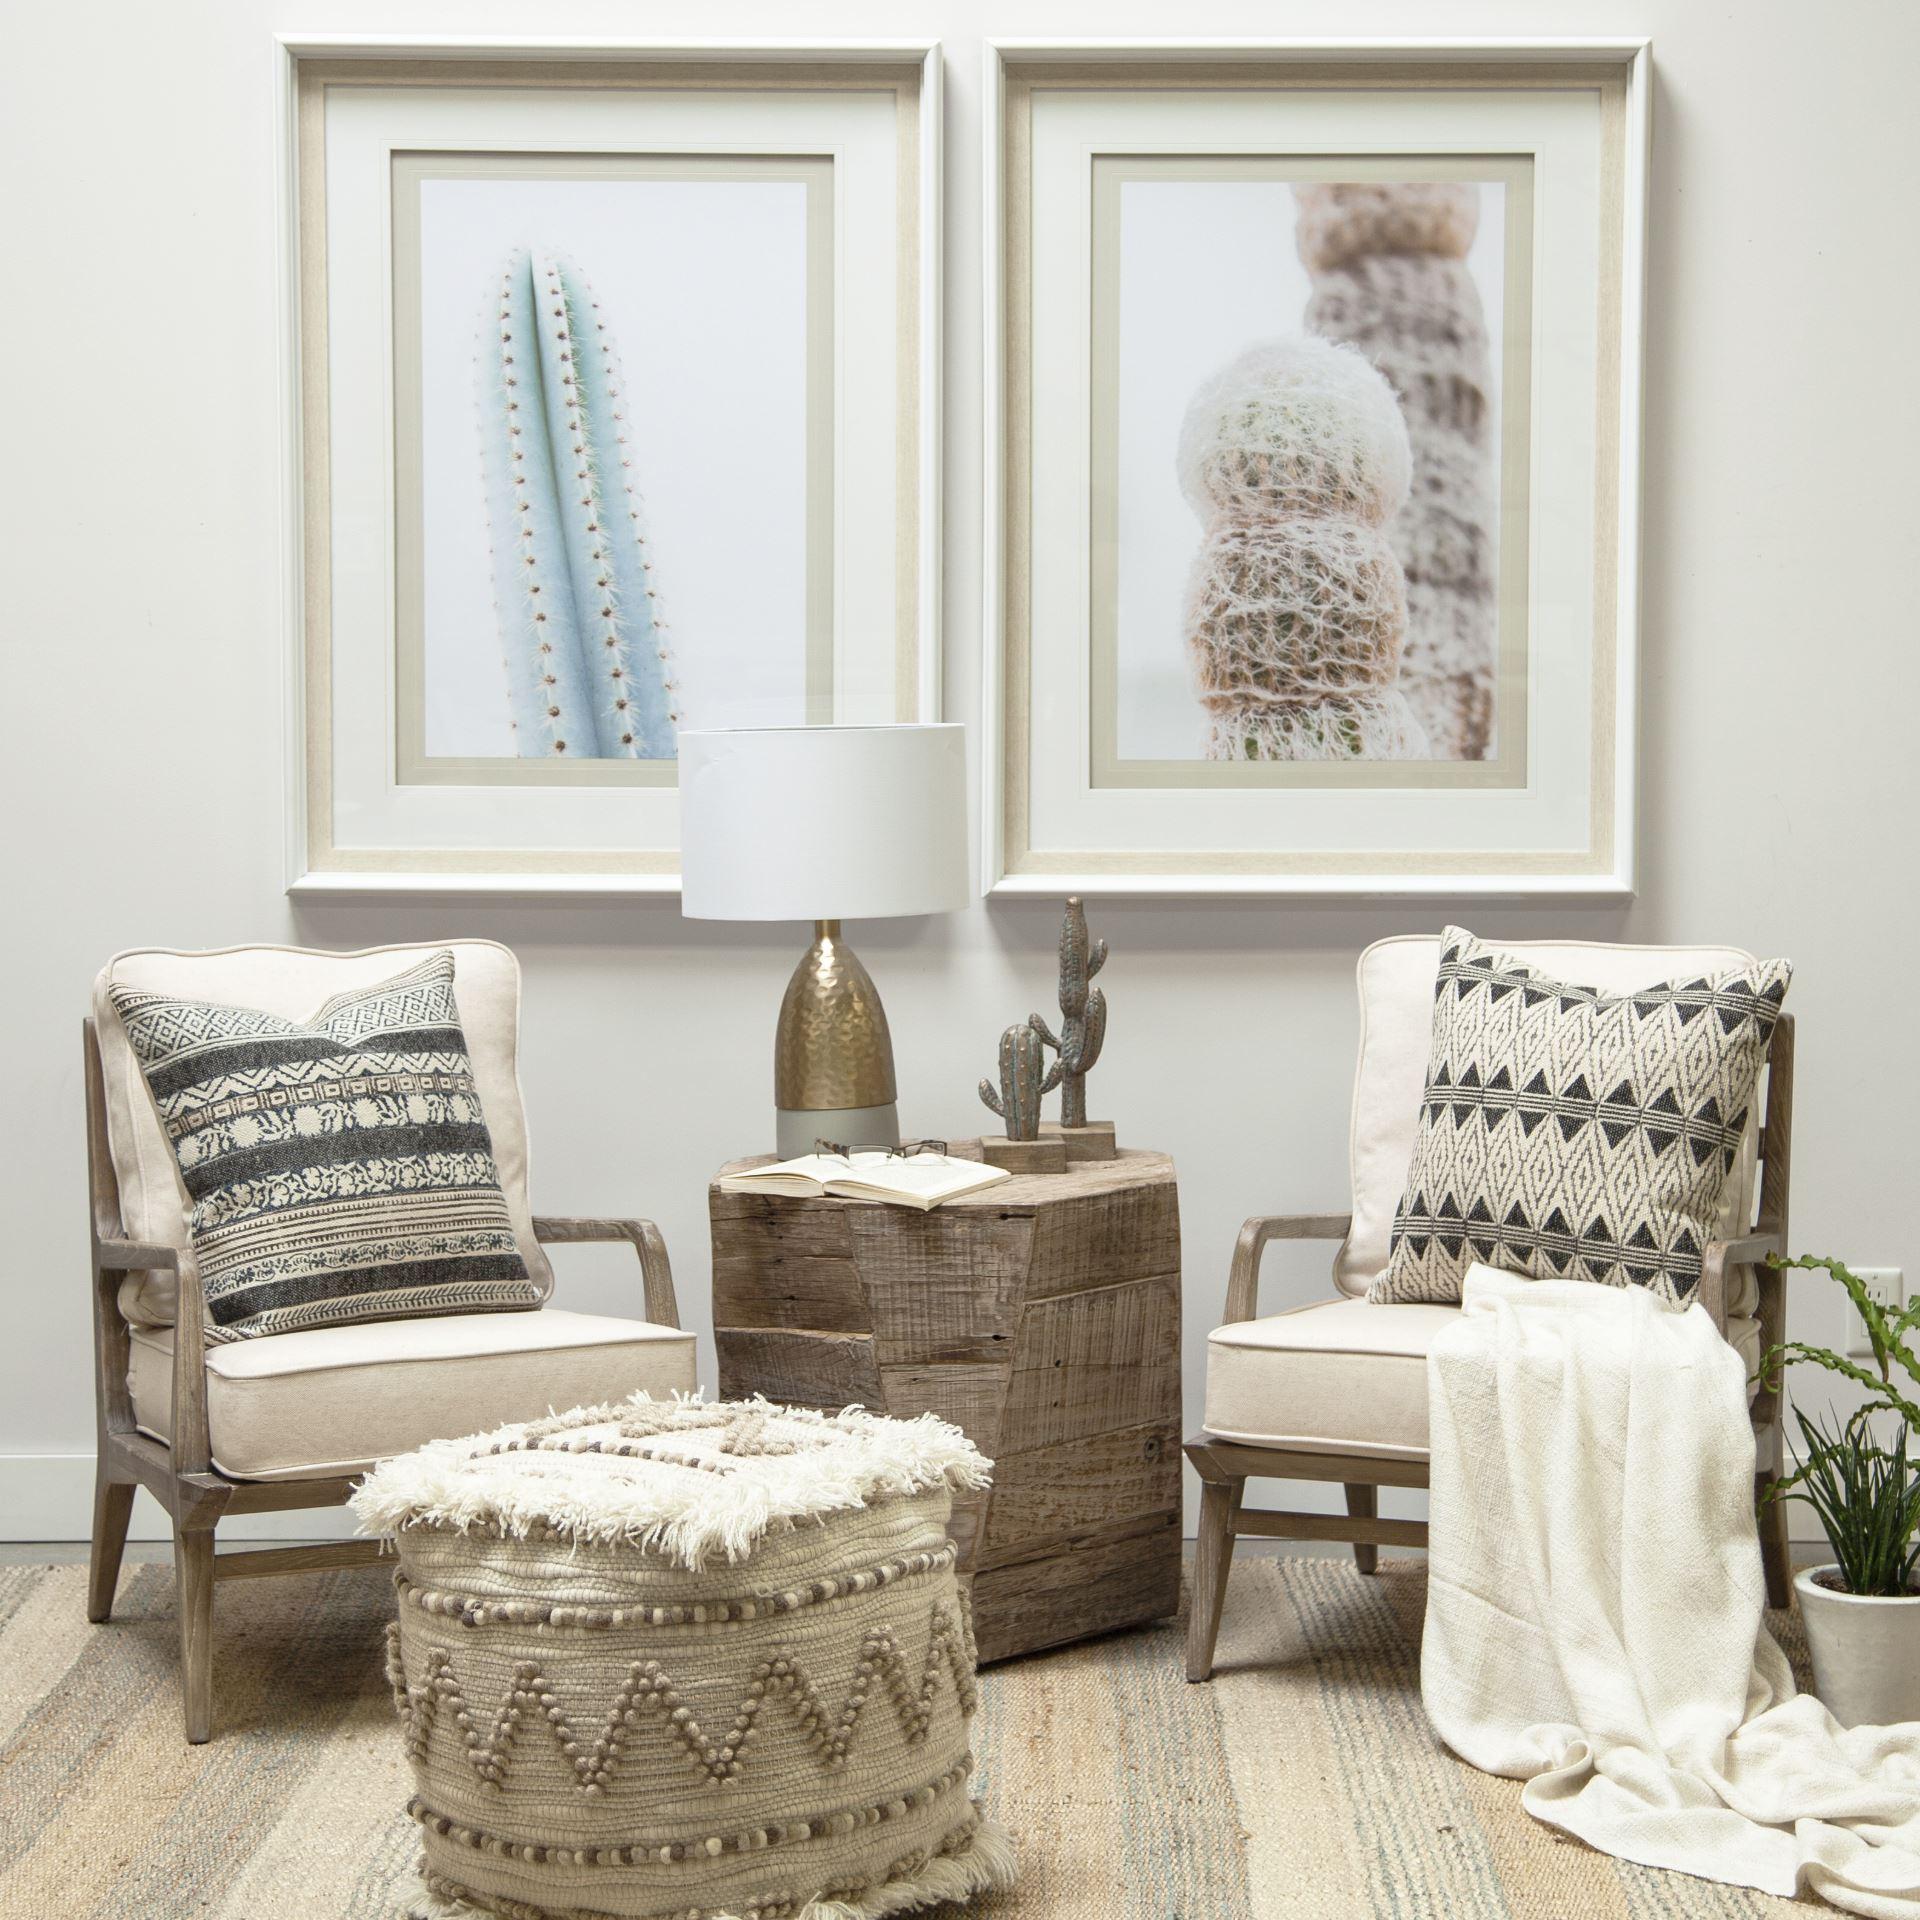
column 616, row 410
column 1313, row 410
column 594, row 439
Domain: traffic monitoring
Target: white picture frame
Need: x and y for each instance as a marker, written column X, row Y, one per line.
column 1045, row 827
column 359, row 819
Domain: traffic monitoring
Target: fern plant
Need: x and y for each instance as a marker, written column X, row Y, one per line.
column 1866, row 1492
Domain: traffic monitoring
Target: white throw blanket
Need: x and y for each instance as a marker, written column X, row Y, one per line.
column 1595, row 1596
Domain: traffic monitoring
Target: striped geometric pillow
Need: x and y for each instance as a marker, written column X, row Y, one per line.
column 337, row 1169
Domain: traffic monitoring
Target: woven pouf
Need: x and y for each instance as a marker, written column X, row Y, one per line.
column 688, row 1662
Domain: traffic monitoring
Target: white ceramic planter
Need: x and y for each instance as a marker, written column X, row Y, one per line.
column 1866, row 1652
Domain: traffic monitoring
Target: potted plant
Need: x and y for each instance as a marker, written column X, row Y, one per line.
column 1862, row 1612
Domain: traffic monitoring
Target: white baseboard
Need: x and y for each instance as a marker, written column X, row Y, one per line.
column 49, row 1496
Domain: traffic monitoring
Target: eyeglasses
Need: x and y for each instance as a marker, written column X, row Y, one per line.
column 904, row 1151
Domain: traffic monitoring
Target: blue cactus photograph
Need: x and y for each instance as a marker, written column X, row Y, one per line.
column 583, row 636
column 620, row 520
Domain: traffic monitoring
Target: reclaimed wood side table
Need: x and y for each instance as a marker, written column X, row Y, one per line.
column 1041, row 1316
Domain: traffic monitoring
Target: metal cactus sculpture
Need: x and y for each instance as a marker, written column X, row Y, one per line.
column 589, row 670
column 1025, row 1079
column 1083, row 1013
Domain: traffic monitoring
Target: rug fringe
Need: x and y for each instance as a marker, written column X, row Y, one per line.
column 987, row 1863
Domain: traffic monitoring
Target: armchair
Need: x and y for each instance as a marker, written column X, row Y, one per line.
column 290, row 1420
column 1337, row 1390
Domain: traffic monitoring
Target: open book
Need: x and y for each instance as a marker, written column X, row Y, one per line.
column 920, row 1180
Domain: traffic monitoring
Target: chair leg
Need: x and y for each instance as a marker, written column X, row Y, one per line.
column 1776, row 1556
column 1213, row 1554
column 1363, row 1503
column 112, row 1511
column 193, row 1575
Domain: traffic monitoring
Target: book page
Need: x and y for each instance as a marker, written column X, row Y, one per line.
column 818, row 1167
column 921, row 1175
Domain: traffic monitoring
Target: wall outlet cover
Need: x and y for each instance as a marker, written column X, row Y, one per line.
column 1887, row 1285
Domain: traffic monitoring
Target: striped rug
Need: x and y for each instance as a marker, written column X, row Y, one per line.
column 1302, row 1782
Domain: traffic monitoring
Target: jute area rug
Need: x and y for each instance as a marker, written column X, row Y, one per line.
column 1303, row 1781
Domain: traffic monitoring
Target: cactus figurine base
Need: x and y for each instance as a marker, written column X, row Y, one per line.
column 1093, row 1141
column 1024, row 1156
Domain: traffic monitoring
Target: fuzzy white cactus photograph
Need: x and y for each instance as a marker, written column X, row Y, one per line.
column 614, row 397
column 1305, row 477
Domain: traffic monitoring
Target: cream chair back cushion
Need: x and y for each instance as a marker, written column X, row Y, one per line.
column 292, row 982
column 1396, row 1028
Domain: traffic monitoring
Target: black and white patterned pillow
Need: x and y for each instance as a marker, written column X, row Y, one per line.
column 1571, row 1134
column 337, row 1169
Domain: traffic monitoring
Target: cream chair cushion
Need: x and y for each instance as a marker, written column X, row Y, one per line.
column 302, row 1406
column 1342, row 1376
column 1396, row 1029
column 292, row 982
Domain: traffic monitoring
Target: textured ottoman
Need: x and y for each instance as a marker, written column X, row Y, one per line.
column 687, row 1662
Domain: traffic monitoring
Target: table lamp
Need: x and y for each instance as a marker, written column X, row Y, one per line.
column 825, row 824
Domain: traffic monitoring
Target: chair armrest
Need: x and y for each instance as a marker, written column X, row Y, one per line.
column 1243, row 1278
column 1719, row 1256
column 1755, row 1250
column 189, row 1440
column 656, row 1271
column 135, row 1256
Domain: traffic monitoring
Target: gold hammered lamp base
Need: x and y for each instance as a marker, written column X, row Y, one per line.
column 833, row 1056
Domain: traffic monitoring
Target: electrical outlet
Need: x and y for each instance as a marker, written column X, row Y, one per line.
column 1887, row 1285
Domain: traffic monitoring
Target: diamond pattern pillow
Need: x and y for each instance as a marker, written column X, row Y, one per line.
column 337, row 1169
column 1571, row 1134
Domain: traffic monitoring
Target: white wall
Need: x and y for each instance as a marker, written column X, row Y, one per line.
column 140, row 605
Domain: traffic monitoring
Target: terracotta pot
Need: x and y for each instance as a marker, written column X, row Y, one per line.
column 1866, row 1652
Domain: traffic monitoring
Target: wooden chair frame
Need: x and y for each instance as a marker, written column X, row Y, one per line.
column 179, row 1472
column 1225, row 1466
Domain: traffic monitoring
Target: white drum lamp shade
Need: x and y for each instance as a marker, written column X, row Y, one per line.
column 822, row 823
column 825, row 824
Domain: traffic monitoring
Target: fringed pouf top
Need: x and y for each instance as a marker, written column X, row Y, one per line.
column 681, row 1661
column 684, row 1478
